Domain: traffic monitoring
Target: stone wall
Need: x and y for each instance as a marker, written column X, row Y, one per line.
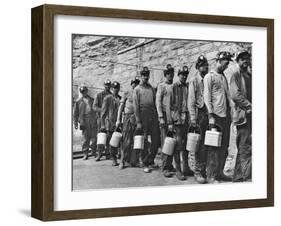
column 122, row 59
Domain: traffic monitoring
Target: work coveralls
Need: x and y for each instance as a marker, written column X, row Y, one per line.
column 86, row 117
column 199, row 115
column 146, row 114
column 98, row 109
column 163, row 101
column 241, row 94
column 108, row 119
column 178, row 116
column 217, row 101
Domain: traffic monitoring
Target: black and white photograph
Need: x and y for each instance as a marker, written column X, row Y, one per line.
column 160, row 112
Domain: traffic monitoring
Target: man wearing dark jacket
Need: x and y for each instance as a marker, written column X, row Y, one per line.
column 241, row 94
column 86, row 117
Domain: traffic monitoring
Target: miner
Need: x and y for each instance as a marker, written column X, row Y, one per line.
column 86, row 117
column 241, row 94
column 146, row 119
column 199, row 115
column 217, row 101
column 109, row 112
column 129, row 156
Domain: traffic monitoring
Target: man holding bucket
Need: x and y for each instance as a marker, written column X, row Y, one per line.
column 199, row 115
column 240, row 92
column 128, row 155
column 86, row 117
column 163, row 95
column 109, row 112
column 98, row 108
column 146, row 119
column 217, row 101
column 177, row 117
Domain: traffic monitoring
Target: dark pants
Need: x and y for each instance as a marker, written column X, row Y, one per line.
column 128, row 154
column 167, row 160
column 150, row 127
column 89, row 133
column 216, row 156
column 243, row 166
column 181, row 132
column 200, row 154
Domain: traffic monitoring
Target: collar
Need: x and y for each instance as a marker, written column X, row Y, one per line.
column 179, row 83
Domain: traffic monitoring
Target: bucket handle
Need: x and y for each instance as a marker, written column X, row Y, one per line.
column 196, row 127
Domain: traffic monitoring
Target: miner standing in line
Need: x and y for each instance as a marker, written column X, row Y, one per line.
column 98, row 108
column 241, row 94
column 217, row 101
column 199, row 115
column 109, row 112
column 128, row 155
column 177, row 117
column 163, row 95
column 86, row 117
column 146, row 118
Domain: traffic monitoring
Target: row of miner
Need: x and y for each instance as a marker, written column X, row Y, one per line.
column 177, row 115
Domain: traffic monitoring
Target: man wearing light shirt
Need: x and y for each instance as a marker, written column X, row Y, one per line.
column 217, row 101
column 199, row 115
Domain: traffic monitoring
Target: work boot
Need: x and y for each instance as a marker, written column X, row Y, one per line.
column 200, row 179
column 121, row 165
column 180, row 175
column 212, row 180
column 166, row 173
column 223, row 177
column 146, row 170
column 85, row 157
column 114, row 162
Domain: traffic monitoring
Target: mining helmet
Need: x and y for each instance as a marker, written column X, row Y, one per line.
column 145, row 71
column 83, row 89
column 243, row 53
column 184, row 71
column 169, row 69
column 201, row 61
column 115, row 84
column 224, row 55
column 107, row 82
column 136, row 80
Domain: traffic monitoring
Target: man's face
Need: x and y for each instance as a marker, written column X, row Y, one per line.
column 223, row 64
column 84, row 93
column 115, row 91
column 107, row 88
column 182, row 78
column 244, row 62
column 204, row 69
column 145, row 78
column 170, row 77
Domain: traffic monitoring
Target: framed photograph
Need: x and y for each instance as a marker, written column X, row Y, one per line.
column 142, row 112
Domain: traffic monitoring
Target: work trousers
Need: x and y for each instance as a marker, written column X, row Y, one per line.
column 216, row 156
column 151, row 133
column 89, row 133
column 243, row 166
column 200, row 153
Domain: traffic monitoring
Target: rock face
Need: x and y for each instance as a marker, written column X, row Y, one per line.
column 97, row 58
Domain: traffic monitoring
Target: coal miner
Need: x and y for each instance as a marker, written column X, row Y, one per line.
column 163, row 95
column 198, row 114
column 241, row 94
column 98, row 108
column 146, row 118
column 217, row 101
column 109, row 112
column 86, row 117
column 129, row 157
column 177, row 117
